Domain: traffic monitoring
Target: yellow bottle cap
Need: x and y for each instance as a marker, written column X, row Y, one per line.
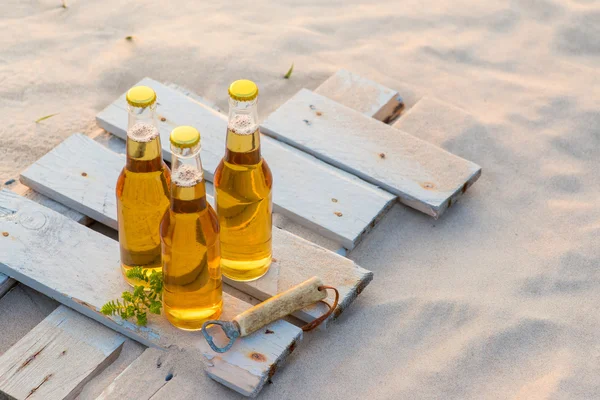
column 185, row 137
column 243, row 90
column 141, row 96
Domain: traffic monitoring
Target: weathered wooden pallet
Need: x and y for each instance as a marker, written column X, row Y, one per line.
column 80, row 268
column 422, row 175
column 82, row 174
column 325, row 199
column 58, row 357
column 363, row 95
column 366, row 97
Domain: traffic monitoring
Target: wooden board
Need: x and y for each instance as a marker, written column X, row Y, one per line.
column 308, row 191
column 80, row 268
column 79, row 173
column 172, row 374
column 59, row 175
column 363, row 95
column 423, row 176
column 5, row 282
column 58, row 357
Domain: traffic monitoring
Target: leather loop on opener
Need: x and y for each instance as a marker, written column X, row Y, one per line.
column 312, row 325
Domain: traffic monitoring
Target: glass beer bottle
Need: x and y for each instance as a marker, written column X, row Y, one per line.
column 243, row 183
column 190, row 240
column 143, row 187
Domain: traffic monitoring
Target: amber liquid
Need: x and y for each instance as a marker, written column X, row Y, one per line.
column 191, row 259
column 142, row 199
column 243, row 183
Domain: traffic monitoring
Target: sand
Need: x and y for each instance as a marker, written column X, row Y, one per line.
column 499, row 298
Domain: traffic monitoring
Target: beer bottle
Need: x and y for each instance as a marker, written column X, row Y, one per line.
column 190, row 240
column 143, row 186
column 243, row 183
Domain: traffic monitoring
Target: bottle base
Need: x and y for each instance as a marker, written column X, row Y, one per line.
column 191, row 319
column 245, row 271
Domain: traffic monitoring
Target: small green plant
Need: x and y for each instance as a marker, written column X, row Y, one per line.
column 289, row 73
column 129, row 38
column 137, row 303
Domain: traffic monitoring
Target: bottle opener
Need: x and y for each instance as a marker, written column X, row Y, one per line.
column 285, row 303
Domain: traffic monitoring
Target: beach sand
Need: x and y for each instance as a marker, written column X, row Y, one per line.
column 496, row 300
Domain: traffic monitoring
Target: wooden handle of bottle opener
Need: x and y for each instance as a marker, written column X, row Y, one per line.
column 279, row 306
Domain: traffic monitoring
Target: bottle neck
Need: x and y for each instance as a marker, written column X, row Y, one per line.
column 188, row 188
column 144, row 153
column 243, row 135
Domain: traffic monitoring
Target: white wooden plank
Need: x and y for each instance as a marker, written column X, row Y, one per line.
column 5, row 282
column 80, row 174
column 148, row 374
column 80, row 268
column 363, row 95
column 24, row 191
column 172, row 374
column 59, row 175
column 308, row 191
column 422, row 175
column 58, row 357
